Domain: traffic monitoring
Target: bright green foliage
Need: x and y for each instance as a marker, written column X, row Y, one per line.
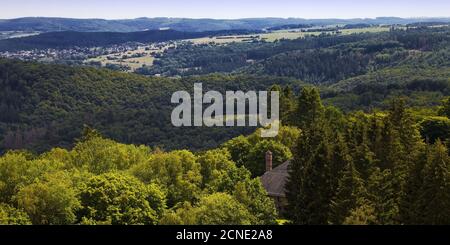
column 445, row 108
column 239, row 148
column 288, row 136
column 215, row 166
column 12, row 216
column 256, row 159
column 250, row 151
column 215, row 163
column 214, row 209
column 17, row 171
column 252, row 194
column 178, row 172
column 51, row 200
column 99, row 155
column 221, row 209
column 118, row 199
column 364, row 214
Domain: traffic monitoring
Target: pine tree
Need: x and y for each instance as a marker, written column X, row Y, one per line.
column 287, row 106
column 410, row 211
column 309, row 187
column 309, row 108
column 435, row 192
column 382, row 194
column 350, row 190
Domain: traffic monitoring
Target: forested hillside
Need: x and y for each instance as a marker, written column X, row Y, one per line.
column 313, row 59
column 70, row 39
column 357, row 168
column 47, row 105
column 181, row 24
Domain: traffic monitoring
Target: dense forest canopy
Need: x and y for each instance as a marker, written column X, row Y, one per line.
column 357, row 168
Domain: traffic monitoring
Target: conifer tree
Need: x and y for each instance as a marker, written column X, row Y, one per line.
column 382, row 193
column 309, row 108
column 410, row 211
column 287, row 105
column 350, row 190
column 309, row 187
column 435, row 191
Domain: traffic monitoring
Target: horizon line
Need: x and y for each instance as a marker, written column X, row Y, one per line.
column 241, row 18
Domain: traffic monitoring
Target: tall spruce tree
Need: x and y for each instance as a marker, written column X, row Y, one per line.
column 349, row 192
column 435, row 192
column 309, row 187
column 410, row 211
column 309, row 108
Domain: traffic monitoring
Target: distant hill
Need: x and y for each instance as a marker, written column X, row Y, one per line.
column 42, row 106
column 67, row 39
column 44, row 24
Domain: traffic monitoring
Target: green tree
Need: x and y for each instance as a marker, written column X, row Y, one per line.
column 383, row 195
column 309, row 108
column 99, row 155
column 17, row 171
column 256, row 160
column 435, row 191
column 363, row 214
column 12, row 216
column 252, row 195
column 434, row 128
column 287, row 105
column 444, row 110
column 239, row 149
column 222, row 209
column 51, row 200
column 309, row 187
column 120, row 199
column 214, row 209
column 349, row 191
column 178, row 172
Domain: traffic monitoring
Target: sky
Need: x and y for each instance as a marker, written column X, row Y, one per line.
column 223, row 9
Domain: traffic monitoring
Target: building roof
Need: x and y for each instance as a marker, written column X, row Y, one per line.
column 275, row 180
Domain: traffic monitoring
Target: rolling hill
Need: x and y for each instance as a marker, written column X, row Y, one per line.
column 68, row 39
column 44, row 24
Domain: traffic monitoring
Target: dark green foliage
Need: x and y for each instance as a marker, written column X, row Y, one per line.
column 375, row 169
column 434, row 128
column 434, row 197
column 349, row 194
column 52, row 104
column 71, row 39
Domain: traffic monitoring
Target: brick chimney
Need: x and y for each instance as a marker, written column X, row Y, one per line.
column 268, row 161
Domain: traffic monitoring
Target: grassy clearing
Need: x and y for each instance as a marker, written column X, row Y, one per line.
column 148, row 52
column 281, row 34
column 126, row 58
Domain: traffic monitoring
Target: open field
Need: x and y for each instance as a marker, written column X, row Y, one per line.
column 145, row 55
column 282, row 34
column 134, row 59
column 17, row 34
